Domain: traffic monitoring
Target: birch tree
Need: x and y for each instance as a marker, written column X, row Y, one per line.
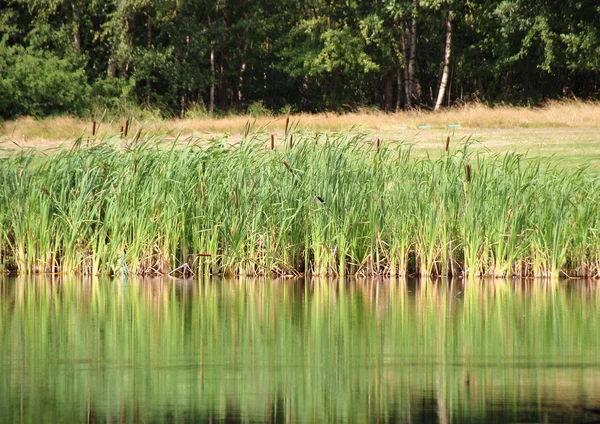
column 446, row 68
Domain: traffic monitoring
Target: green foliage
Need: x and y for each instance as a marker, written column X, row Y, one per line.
column 314, row 56
column 40, row 83
column 257, row 109
column 114, row 95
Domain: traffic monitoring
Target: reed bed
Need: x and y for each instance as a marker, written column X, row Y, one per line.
column 329, row 204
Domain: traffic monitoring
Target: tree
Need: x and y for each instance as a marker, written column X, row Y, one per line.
column 309, row 55
column 446, row 71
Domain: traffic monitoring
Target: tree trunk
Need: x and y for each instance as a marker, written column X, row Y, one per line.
column 404, row 34
column 412, row 54
column 240, row 96
column 389, row 91
column 149, row 31
column 77, row 28
column 211, row 108
column 112, row 67
column 223, row 97
column 149, row 45
column 211, row 101
column 112, row 62
column 446, row 71
column 399, row 90
column 224, row 60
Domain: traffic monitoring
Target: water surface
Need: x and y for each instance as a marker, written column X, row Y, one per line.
column 74, row 350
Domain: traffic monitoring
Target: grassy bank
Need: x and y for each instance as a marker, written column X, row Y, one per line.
column 324, row 204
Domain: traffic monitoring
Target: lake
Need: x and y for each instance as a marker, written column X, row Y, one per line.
column 282, row 351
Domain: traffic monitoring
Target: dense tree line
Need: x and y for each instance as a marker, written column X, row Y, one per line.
column 200, row 56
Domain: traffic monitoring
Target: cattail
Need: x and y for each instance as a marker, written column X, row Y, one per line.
column 447, row 142
column 137, row 136
column 289, row 168
column 272, row 142
column 93, row 128
column 46, row 191
column 287, row 123
column 378, row 143
column 126, row 128
column 291, row 141
column 468, row 169
column 320, row 199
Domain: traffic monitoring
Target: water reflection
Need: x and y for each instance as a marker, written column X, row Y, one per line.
column 289, row 351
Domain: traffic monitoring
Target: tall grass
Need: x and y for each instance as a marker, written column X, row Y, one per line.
column 324, row 205
column 564, row 114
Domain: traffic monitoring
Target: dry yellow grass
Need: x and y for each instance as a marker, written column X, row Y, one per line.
column 505, row 124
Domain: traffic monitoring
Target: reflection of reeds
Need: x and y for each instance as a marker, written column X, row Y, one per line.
column 162, row 344
column 349, row 208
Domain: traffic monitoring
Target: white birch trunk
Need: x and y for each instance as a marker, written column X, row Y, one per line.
column 446, row 71
column 211, row 107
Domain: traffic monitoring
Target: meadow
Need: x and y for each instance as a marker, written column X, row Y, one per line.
column 291, row 203
column 567, row 131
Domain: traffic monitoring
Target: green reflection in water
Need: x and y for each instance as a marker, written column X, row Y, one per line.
column 282, row 351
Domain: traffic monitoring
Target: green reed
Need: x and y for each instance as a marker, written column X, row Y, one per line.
column 325, row 204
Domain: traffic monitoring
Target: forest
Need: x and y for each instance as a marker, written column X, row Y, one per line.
column 193, row 58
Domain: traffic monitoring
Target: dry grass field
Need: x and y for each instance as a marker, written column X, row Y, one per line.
column 567, row 130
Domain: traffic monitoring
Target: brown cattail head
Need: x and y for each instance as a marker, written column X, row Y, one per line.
column 93, row 128
column 287, row 165
column 291, row 141
column 447, row 142
column 320, row 199
column 126, row 128
column 468, row 169
column 272, row 142
column 46, row 191
column 378, row 143
column 137, row 136
column 287, row 123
